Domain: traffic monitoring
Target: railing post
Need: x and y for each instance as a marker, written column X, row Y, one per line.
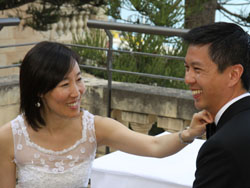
column 109, row 72
column 109, row 67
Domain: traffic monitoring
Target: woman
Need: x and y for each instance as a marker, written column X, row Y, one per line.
column 53, row 141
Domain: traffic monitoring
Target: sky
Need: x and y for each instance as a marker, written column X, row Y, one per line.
column 219, row 16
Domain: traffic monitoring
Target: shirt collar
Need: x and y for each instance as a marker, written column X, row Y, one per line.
column 222, row 110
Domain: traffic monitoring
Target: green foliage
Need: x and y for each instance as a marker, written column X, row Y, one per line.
column 160, row 14
column 114, row 9
column 151, row 65
column 96, row 38
column 42, row 15
column 133, row 63
column 147, row 64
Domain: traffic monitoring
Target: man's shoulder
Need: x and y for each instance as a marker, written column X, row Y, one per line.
column 233, row 137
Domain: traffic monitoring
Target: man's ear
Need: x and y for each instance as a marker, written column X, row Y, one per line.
column 235, row 74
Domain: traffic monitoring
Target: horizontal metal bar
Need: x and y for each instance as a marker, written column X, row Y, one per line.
column 128, row 52
column 104, row 49
column 135, row 73
column 10, row 66
column 113, row 70
column 150, row 54
column 89, row 47
column 18, row 45
column 156, row 30
column 92, row 67
column 148, row 75
column 9, row 21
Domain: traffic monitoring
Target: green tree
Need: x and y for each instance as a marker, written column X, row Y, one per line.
column 167, row 13
column 138, row 42
column 94, row 38
column 196, row 11
column 46, row 12
column 241, row 17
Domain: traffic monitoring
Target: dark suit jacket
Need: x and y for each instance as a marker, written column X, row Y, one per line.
column 224, row 159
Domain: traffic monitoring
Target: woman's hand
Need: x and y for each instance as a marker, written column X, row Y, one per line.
column 197, row 126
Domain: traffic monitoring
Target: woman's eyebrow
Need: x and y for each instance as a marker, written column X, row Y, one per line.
column 66, row 77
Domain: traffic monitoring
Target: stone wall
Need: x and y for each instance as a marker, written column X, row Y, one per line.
column 140, row 105
column 9, row 95
column 135, row 105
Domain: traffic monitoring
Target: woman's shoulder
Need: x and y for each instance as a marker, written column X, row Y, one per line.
column 104, row 124
column 100, row 120
column 5, row 129
column 6, row 138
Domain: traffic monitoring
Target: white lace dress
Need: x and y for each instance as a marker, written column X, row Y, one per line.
column 42, row 168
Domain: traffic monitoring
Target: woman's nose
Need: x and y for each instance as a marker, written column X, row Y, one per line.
column 75, row 90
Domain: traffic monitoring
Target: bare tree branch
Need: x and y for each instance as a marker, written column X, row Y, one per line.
column 223, row 9
column 237, row 21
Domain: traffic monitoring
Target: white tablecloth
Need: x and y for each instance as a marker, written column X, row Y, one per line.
column 123, row 170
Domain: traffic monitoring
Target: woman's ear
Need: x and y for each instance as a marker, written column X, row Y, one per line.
column 235, row 74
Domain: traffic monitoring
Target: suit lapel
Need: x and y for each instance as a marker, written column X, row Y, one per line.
column 237, row 107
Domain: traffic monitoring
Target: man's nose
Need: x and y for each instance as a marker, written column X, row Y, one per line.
column 189, row 77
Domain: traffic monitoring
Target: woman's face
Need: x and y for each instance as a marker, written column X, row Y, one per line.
column 65, row 99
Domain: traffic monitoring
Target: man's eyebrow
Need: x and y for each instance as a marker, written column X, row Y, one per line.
column 193, row 63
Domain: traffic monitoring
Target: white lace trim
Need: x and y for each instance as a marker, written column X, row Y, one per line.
column 39, row 167
column 30, row 177
column 47, row 151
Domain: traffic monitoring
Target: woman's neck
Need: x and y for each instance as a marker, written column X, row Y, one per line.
column 56, row 123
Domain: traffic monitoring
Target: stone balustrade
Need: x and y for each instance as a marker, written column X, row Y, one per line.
column 62, row 31
column 76, row 24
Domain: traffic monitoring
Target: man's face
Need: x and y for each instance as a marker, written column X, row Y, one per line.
column 208, row 85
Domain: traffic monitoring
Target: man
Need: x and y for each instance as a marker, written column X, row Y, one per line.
column 218, row 74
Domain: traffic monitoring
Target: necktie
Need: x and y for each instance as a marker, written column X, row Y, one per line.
column 210, row 129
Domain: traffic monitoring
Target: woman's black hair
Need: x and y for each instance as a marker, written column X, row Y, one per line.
column 43, row 67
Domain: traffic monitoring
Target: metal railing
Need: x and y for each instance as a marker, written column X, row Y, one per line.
column 147, row 29
column 9, row 22
column 156, row 30
column 107, row 26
